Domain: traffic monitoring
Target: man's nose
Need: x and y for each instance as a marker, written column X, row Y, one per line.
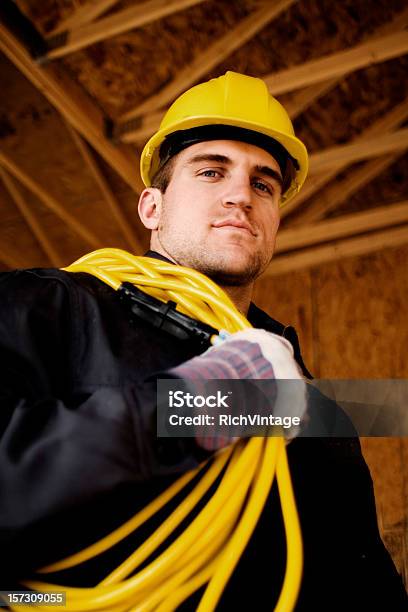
column 238, row 193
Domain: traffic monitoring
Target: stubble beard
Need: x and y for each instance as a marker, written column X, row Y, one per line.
column 214, row 265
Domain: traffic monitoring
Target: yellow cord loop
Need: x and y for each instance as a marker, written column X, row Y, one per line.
column 210, row 547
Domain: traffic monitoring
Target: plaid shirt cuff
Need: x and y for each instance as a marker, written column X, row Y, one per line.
column 238, row 359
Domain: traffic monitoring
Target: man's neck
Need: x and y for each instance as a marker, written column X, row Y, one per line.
column 240, row 295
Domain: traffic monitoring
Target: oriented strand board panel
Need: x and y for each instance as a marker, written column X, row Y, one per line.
column 288, row 299
column 388, row 462
column 395, row 542
column 381, row 454
column 361, row 318
column 361, row 309
column 352, row 323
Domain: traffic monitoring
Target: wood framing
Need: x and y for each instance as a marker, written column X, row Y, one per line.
column 342, row 227
column 149, row 122
column 106, row 191
column 387, row 123
column 49, row 201
column 206, row 60
column 74, row 105
column 351, row 247
column 380, row 144
column 337, row 64
column 338, row 192
column 365, row 149
column 30, row 219
column 139, row 129
column 304, row 98
column 122, row 21
column 83, row 14
column 301, row 100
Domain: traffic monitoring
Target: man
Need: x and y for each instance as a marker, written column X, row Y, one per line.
column 79, row 452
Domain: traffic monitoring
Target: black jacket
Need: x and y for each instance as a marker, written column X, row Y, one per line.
column 79, row 454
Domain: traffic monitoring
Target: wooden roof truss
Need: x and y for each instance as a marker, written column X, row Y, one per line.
column 311, row 240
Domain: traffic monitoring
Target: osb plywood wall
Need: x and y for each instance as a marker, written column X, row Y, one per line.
column 351, row 317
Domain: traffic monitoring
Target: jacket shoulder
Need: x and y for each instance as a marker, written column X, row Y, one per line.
column 49, row 280
column 33, row 278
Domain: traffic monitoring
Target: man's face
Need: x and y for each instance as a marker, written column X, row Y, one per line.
column 220, row 212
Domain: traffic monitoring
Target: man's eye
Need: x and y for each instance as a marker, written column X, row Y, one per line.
column 262, row 187
column 210, row 173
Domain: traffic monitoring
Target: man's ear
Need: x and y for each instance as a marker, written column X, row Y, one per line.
column 150, row 207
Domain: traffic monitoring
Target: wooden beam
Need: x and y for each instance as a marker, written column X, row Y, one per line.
column 140, row 128
column 207, row 60
column 387, row 123
column 48, row 201
column 122, row 21
column 351, row 247
column 146, row 125
column 74, row 105
column 304, row 98
column 342, row 227
column 337, row 64
column 340, row 191
column 30, row 219
column 106, row 191
column 82, row 15
column 364, row 149
column 301, row 100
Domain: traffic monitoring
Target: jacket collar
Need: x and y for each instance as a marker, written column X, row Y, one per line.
column 258, row 318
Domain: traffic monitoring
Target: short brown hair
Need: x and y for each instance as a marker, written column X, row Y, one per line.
column 162, row 178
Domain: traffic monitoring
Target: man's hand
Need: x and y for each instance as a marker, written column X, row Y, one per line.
column 258, row 355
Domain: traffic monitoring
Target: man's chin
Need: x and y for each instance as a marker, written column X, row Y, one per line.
column 234, row 274
column 227, row 265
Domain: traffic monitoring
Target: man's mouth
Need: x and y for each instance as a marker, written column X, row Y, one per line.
column 235, row 224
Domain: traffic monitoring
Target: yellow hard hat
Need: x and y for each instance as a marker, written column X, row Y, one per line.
column 233, row 100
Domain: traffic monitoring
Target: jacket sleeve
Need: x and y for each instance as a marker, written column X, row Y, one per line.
column 59, row 449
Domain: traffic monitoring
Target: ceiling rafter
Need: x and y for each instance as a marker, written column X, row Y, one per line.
column 336, row 64
column 208, row 59
column 342, row 227
column 337, row 193
column 122, row 21
column 385, row 124
column 300, row 101
column 337, row 250
column 74, row 105
column 82, row 15
column 355, row 151
column 49, row 201
column 30, row 219
column 139, row 129
column 337, row 157
column 111, row 200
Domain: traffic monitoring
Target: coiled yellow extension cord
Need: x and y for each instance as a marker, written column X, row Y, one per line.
column 210, row 547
